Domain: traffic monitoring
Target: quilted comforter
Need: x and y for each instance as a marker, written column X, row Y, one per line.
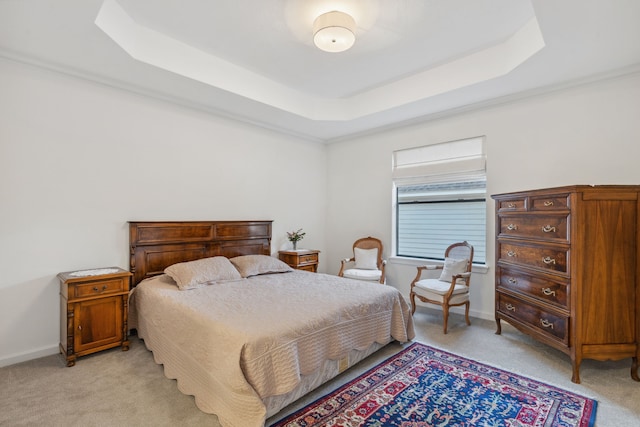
column 233, row 344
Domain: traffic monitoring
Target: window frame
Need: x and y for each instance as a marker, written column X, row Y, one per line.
column 430, row 164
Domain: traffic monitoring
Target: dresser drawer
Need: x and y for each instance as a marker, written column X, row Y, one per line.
column 511, row 205
column 552, row 325
column 550, row 291
column 551, row 202
column 310, row 258
column 101, row 287
column 545, row 227
column 541, row 257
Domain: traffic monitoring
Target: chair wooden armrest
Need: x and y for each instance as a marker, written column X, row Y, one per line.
column 454, row 281
column 464, row 276
column 421, row 268
column 343, row 262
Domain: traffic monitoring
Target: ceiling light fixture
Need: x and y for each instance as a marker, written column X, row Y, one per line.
column 334, row 31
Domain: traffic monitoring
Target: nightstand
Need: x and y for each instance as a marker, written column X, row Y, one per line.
column 301, row 259
column 93, row 311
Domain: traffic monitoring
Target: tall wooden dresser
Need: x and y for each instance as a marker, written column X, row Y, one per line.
column 567, row 270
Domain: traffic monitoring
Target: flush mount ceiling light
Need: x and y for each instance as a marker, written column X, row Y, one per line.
column 334, row 31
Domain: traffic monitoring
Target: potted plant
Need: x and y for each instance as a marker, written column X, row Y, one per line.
column 295, row 236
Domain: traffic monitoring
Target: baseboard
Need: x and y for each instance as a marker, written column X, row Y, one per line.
column 12, row 359
column 457, row 310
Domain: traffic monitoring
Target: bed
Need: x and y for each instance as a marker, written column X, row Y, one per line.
column 241, row 331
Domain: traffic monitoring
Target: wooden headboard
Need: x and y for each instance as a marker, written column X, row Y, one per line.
column 156, row 245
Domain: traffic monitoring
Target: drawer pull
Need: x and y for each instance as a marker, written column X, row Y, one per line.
column 510, row 307
column 511, row 227
column 511, row 253
column 548, row 291
column 546, row 324
column 549, row 229
column 548, row 203
column 511, row 205
column 95, row 289
column 513, row 280
column 548, row 260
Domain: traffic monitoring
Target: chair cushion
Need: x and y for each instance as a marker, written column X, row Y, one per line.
column 366, row 259
column 452, row 267
column 358, row 274
column 440, row 287
column 435, row 289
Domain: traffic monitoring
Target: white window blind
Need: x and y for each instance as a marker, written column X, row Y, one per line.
column 460, row 160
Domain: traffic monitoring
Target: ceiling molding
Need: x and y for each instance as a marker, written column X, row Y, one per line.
column 496, row 102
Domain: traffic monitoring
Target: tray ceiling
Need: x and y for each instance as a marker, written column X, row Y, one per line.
column 255, row 60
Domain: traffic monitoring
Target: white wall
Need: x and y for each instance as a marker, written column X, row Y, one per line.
column 78, row 160
column 584, row 135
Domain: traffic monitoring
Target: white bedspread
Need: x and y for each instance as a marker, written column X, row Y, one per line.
column 233, row 344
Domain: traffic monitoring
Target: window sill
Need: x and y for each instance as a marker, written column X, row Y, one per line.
column 416, row 262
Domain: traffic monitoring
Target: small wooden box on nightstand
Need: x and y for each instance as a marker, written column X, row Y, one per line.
column 301, row 259
column 93, row 311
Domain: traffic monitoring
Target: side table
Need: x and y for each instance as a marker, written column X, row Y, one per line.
column 301, row 259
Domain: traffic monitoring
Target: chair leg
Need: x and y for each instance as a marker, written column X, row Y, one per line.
column 412, row 297
column 466, row 313
column 445, row 315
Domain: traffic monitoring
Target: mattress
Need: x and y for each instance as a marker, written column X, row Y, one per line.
column 245, row 348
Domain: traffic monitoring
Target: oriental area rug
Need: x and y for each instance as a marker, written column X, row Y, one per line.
column 422, row 387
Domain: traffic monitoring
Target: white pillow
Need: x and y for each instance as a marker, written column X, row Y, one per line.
column 452, row 267
column 253, row 265
column 195, row 274
column 366, row 259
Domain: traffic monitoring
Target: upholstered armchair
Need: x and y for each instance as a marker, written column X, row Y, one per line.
column 366, row 262
column 451, row 288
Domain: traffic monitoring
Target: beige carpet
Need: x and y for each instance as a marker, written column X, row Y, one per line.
column 116, row 388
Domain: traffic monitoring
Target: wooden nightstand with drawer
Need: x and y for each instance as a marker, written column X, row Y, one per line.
column 93, row 311
column 301, row 259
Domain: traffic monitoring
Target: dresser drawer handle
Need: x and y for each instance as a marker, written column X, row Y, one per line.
column 549, row 229
column 546, row 324
column 511, row 227
column 510, row 307
column 548, row 260
column 511, row 205
column 512, row 253
column 513, row 280
column 548, row 203
column 548, row 291
column 104, row 288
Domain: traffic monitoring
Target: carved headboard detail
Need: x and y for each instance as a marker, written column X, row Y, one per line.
column 156, row 245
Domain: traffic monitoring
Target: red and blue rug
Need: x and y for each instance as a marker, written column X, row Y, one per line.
column 422, row 387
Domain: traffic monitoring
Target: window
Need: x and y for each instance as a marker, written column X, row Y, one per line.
column 440, row 198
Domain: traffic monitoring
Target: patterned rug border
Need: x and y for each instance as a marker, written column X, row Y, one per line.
column 590, row 402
